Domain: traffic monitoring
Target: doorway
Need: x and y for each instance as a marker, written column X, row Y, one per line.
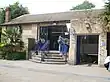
column 52, row 33
column 108, row 44
column 87, row 49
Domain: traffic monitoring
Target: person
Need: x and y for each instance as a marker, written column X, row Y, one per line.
column 63, row 47
column 41, row 43
column 61, row 42
column 106, row 62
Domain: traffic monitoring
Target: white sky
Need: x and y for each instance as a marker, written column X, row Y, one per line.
column 50, row 6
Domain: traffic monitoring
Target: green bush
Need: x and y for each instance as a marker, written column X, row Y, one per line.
column 2, row 45
column 2, row 52
column 16, row 56
column 12, row 46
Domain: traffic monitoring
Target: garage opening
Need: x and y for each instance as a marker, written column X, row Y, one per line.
column 108, row 44
column 87, row 49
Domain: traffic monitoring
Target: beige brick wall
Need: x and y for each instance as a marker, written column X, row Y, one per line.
column 29, row 31
column 80, row 26
column 26, row 33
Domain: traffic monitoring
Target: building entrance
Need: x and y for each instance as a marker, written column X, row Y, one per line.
column 52, row 33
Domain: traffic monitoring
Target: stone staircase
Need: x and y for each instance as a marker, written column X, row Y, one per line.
column 52, row 57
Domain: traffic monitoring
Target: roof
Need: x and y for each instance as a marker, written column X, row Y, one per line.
column 61, row 16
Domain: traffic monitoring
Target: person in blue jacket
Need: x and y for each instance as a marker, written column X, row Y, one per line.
column 63, row 47
column 61, row 42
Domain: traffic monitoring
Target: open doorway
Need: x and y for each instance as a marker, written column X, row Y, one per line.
column 87, row 49
column 108, row 44
column 52, row 34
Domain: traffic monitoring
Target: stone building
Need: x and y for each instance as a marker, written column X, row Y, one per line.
column 84, row 28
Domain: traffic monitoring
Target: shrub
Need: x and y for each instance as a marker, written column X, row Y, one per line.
column 16, row 56
column 13, row 49
column 2, row 52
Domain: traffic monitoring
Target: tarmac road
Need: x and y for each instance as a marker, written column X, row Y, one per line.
column 13, row 72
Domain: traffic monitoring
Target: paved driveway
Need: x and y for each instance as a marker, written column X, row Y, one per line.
column 26, row 71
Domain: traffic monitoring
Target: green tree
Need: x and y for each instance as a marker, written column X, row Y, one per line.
column 11, row 37
column 16, row 10
column 2, row 15
column 84, row 5
column 105, row 17
column 11, row 41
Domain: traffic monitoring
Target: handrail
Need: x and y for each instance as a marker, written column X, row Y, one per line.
column 45, row 46
column 41, row 46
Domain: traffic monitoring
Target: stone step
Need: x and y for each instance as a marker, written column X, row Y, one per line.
column 49, row 54
column 49, row 60
column 52, row 52
column 49, row 57
column 45, row 62
column 54, row 55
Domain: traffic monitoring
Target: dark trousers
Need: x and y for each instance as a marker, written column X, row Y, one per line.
column 107, row 65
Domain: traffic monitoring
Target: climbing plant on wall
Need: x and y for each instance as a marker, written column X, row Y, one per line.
column 105, row 17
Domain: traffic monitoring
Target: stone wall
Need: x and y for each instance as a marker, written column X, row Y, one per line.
column 29, row 31
column 26, row 33
column 72, row 48
column 81, row 27
column 102, row 54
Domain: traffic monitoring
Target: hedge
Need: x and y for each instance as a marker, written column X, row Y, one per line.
column 16, row 56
